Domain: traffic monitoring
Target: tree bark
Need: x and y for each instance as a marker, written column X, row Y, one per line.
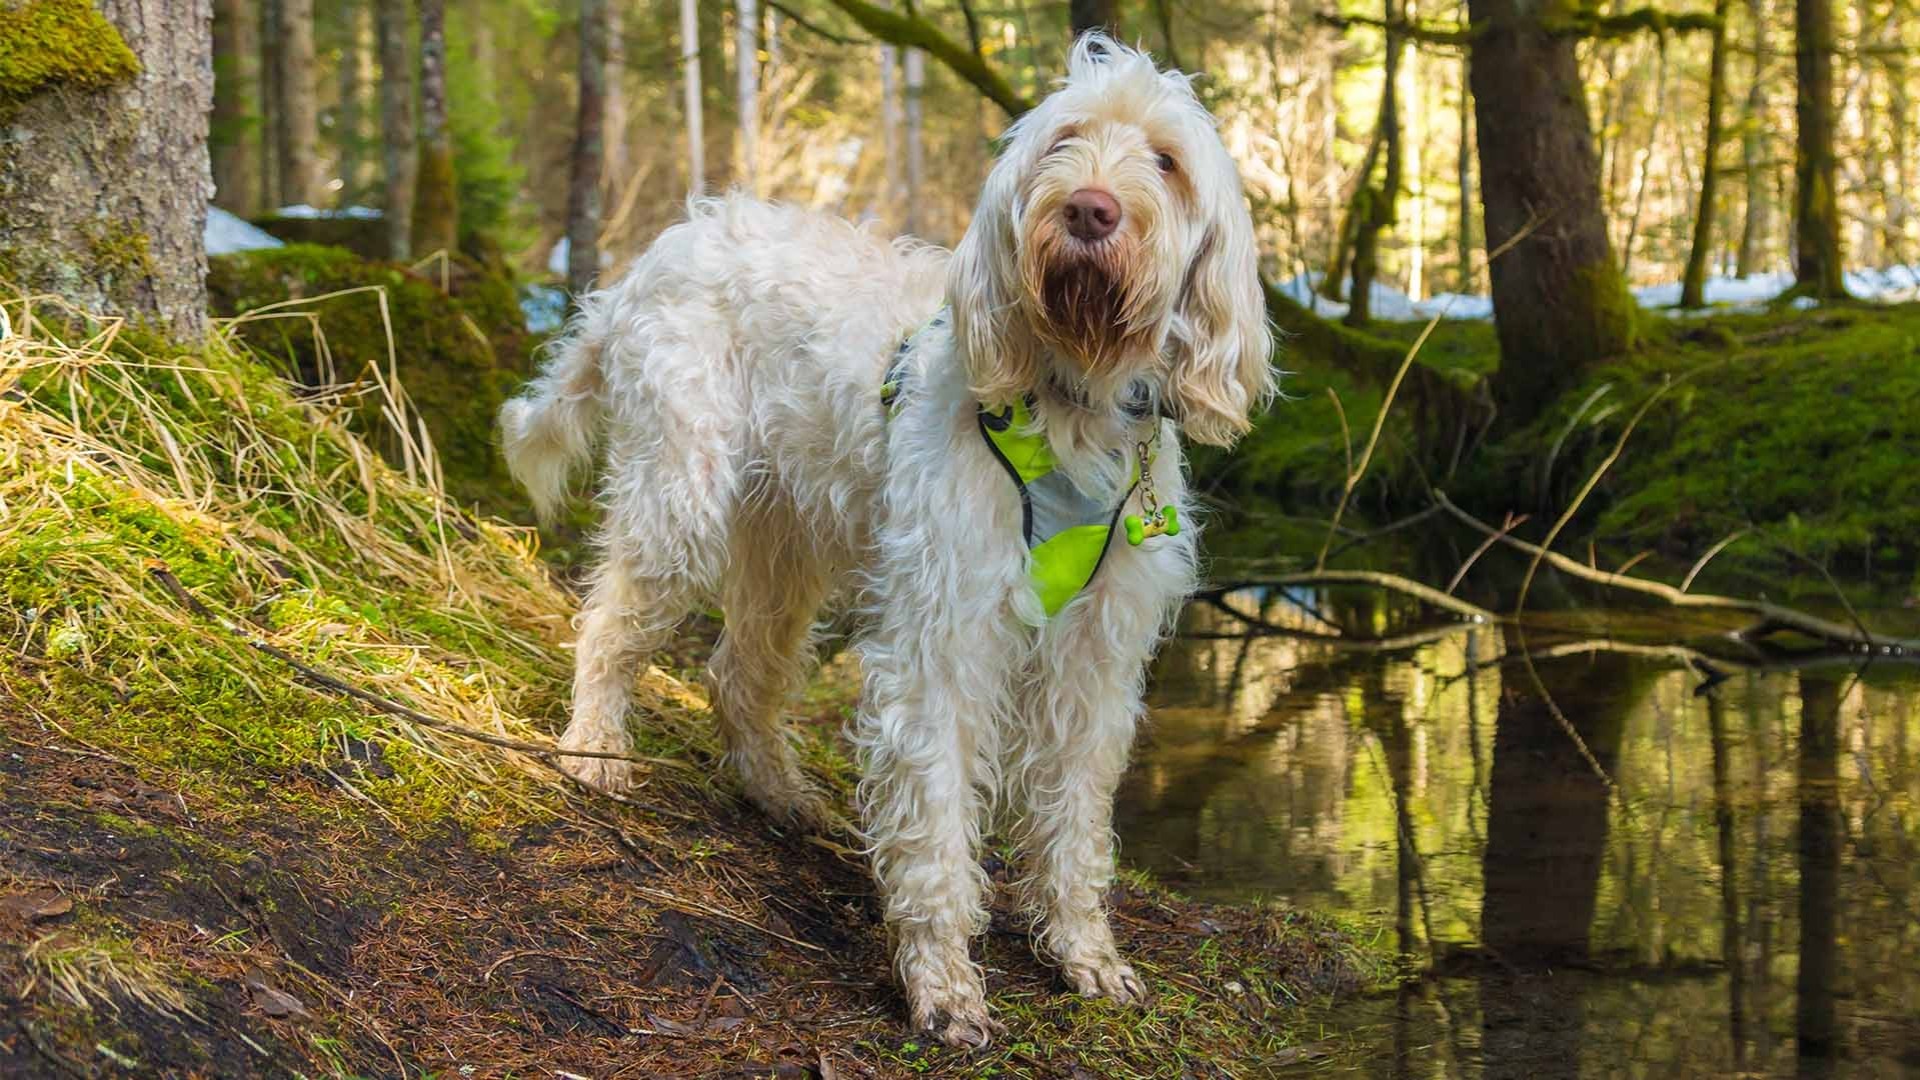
column 746, row 62
column 399, row 153
column 1560, row 301
column 893, row 172
column 1693, row 285
column 231, row 138
column 104, row 173
column 299, row 127
column 694, row 103
column 583, row 188
column 1087, row 15
column 1755, row 225
column 1816, row 213
column 436, row 199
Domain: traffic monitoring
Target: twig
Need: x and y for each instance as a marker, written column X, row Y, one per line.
column 1687, row 582
column 1459, row 575
column 1770, row 616
column 1355, row 474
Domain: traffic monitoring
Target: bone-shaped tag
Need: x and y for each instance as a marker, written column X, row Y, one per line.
column 1162, row 522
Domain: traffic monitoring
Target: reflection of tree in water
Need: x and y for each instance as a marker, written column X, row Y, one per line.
column 1816, row 1031
column 1546, row 839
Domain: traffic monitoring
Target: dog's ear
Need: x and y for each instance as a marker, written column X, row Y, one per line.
column 983, row 292
column 1221, row 343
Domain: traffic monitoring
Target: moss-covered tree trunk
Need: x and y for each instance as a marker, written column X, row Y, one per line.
column 1463, row 240
column 436, row 200
column 1560, row 302
column 236, row 103
column 1816, row 212
column 1693, row 284
column 298, row 130
column 104, row 176
column 583, row 187
column 399, row 153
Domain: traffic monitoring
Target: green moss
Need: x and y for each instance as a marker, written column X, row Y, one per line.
column 458, row 355
column 49, row 43
column 119, row 251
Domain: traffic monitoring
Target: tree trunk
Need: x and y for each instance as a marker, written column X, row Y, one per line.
column 1560, row 301
column 272, row 116
column 399, row 153
column 583, row 188
column 1693, row 286
column 436, row 199
column 1816, row 213
column 746, row 63
column 299, row 128
column 1753, row 149
column 616, row 157
column 236, row 92
column 1464, row 276
column 356, row 83
column 718, row 96
column 914, row 63
column 1376, row 211
column 104, row 174
column 690, row 68
column 893, row 172
column 1101, row 15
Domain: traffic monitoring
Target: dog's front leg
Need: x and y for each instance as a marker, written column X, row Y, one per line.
column 1077, row 720
column 928, row 733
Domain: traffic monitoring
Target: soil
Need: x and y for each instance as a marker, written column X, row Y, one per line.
column 333, row 943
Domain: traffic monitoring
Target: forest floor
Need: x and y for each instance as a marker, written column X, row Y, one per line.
column 214, row 862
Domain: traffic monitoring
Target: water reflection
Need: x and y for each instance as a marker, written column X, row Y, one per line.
column 1655, row 881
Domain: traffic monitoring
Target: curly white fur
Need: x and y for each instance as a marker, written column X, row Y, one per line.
column 732, row 378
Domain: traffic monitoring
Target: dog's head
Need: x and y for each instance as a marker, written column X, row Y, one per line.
column 1112, row 239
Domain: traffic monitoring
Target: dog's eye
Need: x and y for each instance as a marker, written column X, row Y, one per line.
column 1166, row 163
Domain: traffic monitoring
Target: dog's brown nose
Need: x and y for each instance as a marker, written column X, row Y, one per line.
column 1092, row 214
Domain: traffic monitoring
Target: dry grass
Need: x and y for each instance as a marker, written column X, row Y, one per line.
column 120, row 457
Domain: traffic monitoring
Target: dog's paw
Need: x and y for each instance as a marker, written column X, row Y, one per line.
column 611, row 775
column 1106, row 977
column 962, row 1023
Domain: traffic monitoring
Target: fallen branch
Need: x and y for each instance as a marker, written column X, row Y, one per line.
column 1770, row 618
column 1406, row 586
column 910, row 30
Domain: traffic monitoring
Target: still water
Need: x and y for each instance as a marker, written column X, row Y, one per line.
column 1699, row 868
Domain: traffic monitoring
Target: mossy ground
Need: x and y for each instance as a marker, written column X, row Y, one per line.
column 451, row 330
column 210, row 865
column 1798, row 426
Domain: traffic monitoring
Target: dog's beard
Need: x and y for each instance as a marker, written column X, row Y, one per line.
column 1084, row 305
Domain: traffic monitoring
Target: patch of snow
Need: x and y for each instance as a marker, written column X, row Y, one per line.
column 544, row 306
column 302, row 210
column 227, row 233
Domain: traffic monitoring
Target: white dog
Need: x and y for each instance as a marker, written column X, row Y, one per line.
column 1104, row 301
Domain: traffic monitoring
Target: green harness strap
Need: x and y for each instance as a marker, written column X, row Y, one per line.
column 1067, row 532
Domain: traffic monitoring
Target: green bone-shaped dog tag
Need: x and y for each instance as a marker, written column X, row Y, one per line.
column 1163, row 522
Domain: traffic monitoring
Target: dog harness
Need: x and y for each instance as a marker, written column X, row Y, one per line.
column 1067, row 531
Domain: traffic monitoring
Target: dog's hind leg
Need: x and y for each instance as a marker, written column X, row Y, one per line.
column 670, row 487
column 774, row 586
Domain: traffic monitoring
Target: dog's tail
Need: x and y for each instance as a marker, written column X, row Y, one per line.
column 549, row 430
